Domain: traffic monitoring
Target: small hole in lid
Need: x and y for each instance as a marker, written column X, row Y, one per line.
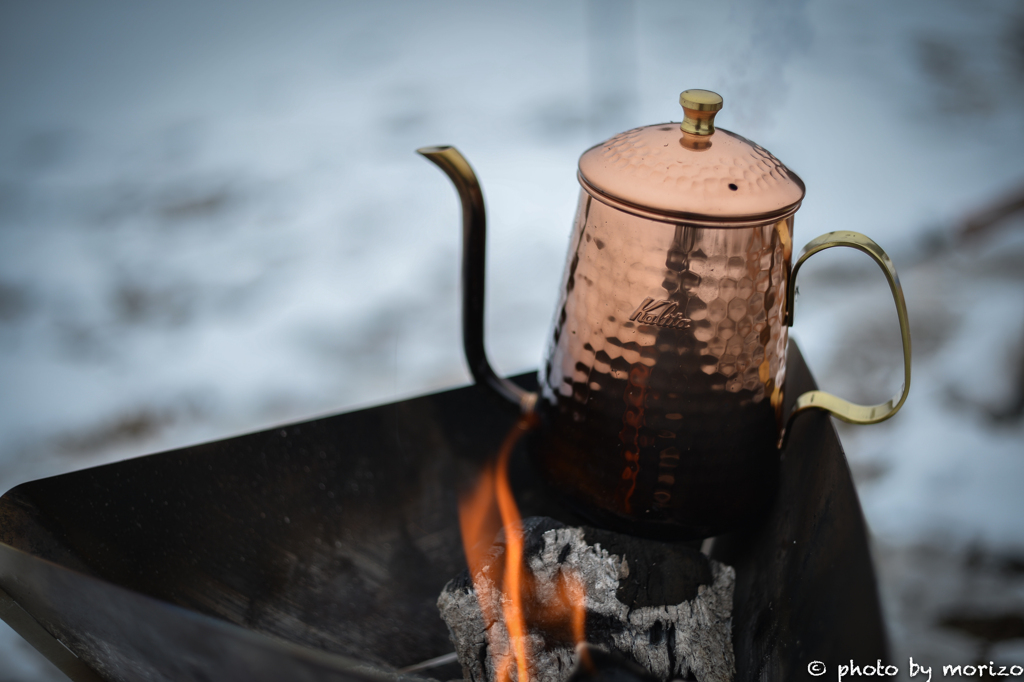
column 733, row 187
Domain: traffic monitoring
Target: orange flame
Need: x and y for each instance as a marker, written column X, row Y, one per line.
column 491, row 506
column 576, row 606
column 513, row 582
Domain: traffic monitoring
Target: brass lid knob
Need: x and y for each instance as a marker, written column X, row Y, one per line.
column 700, row 107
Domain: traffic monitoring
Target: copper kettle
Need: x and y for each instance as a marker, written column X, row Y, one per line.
column 661, row 389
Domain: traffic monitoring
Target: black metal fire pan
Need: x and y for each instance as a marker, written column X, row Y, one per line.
column 316, row 551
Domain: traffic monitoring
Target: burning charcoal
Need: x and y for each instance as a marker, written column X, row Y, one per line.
column 661, row 605
column 594, row 664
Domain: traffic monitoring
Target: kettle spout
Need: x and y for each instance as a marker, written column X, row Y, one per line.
column 474, row 245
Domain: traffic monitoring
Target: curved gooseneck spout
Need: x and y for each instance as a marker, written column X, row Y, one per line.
column 474, row 244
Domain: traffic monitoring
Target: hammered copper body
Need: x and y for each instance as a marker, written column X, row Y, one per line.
column 661, row 392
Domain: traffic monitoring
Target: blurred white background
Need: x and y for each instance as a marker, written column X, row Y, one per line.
column 212, row 220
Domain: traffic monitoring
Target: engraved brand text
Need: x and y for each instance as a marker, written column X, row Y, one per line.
column 660, row 313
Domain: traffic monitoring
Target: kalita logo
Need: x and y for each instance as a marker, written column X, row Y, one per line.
column 660, row 314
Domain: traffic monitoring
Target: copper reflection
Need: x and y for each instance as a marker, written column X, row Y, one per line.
column 667, row 356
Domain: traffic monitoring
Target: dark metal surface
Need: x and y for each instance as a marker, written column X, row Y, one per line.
column 805, row 584
column 316, row 551
column 35, row 634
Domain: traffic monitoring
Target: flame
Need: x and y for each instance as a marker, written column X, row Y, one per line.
column 513, row 581
column 483, row 511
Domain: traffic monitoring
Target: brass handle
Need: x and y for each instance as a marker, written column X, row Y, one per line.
column 843, row 409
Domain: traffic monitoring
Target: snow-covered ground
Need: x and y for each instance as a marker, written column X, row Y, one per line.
column 212, row 220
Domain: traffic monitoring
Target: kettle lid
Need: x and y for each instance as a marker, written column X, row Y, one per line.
column 691, row 171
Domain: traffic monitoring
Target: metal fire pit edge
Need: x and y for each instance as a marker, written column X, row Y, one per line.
column 316, row 551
